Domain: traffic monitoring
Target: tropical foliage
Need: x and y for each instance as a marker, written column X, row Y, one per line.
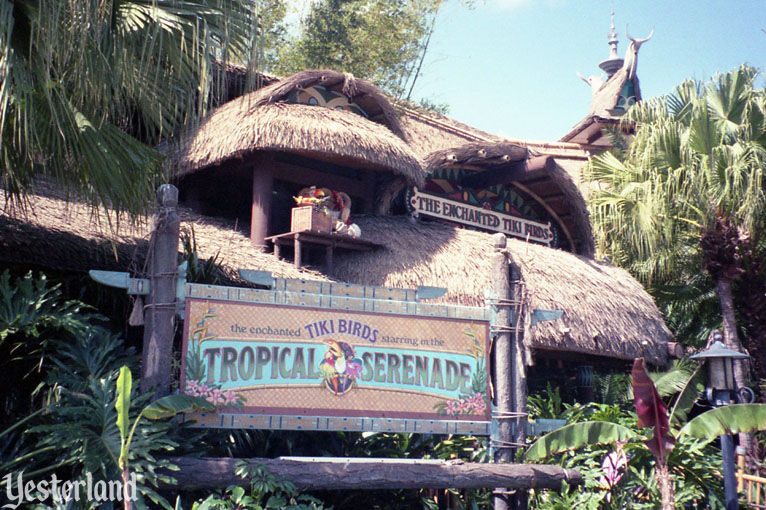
column 87, row 88
column 649, row 455
column 684, row 207
column 379, row 40
column 33, row 312
column 164, row 407
column 266, row 492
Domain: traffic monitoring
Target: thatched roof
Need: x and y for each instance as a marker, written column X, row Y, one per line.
column 563, row 198
column 429, row 132
column 605, row 100
column 476, row 153
column 606, row 311
column 603, row 112
column 232, row 80
column 57, row 232
column 241, row 127
column 362, row 92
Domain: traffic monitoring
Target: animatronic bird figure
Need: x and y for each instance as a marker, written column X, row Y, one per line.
column 340, row 366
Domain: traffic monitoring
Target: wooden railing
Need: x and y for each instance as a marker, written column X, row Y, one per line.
column 753, row 487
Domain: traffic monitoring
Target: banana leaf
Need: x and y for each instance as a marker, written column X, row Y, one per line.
column 651, row 411
column 732, row 419
column 578, row 435
column 171, row 405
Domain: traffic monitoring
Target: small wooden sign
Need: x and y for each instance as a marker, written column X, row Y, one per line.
column 308, row 218
column 436, row 206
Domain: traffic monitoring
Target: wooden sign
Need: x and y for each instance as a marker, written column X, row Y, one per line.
column 271, row 365
column 436, row 206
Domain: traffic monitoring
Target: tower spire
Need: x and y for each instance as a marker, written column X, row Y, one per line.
column 613, row 63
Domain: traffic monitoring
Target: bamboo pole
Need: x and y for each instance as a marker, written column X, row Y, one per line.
column 518, row 372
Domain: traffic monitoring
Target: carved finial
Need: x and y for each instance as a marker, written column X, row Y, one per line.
column 612, row 40
column 614, row 62
column 631, row 56
column 167, row 196
column 499, row 241
column 595, row 82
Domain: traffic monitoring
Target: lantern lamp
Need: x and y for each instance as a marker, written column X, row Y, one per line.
column 721, row 385
column 720, row 391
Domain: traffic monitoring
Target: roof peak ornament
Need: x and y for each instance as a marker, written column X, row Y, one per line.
column 631, row 56
column 614, row 62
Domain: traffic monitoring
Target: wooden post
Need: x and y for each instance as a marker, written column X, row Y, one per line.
column 263, row 188
column 386, row 193
column 160, row 310
column 328, row 259
column 509, row 369
column 297, row 258
column 502, row 363
column 329, row 473
column 368, row 202
column 518, row 371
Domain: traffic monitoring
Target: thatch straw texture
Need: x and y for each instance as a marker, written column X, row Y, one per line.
column 240, row 127
column 58, row 233
column 487, row 155
column 606, row 311
column 481, row 154
column 429, row 133
column 578, row 209
column 603, row 102
column 365, row 94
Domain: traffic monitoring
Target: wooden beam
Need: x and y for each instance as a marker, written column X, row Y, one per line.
column 330, row 473
column 310, row 177
column 553, row 214
column 387, row 193
column 515, row 171
column 263, row 188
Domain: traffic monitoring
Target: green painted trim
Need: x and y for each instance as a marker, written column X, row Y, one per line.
column 375, row 303
column 332, row 423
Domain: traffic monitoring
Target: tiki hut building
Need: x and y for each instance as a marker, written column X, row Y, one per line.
column 314, row 127
column 239, row 169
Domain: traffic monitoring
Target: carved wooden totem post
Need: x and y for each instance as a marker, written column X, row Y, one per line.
column 160, row 309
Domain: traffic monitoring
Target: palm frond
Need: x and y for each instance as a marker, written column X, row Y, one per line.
column 87, row 87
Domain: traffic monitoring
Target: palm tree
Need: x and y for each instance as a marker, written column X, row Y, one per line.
column 84, row 83
column 688, row 196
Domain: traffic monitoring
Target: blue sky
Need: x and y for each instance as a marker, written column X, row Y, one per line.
column 509, row 66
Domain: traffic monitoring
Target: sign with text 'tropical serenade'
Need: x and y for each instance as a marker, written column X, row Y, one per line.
column 277, row 360
column 436, row 206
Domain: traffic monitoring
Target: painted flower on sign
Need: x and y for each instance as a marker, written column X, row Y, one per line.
column 196, row 372
column 477, row 402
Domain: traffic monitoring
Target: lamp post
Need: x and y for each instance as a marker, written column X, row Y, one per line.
column 720, row 391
